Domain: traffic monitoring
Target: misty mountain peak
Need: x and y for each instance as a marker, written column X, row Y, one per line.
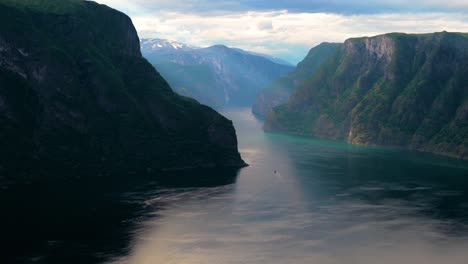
column 156, row 44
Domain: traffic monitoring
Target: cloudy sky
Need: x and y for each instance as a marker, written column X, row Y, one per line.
column 288, row 28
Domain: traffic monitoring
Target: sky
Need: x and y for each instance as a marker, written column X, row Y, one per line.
column 287, row 28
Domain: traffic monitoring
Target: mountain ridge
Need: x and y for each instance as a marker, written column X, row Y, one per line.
column 155, row 44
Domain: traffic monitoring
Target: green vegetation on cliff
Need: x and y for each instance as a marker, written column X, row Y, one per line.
column 77, row 93
column 279, row 91
column 396, row 89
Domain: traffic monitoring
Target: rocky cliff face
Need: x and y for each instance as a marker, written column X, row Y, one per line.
column 396, row 89
column 216, row 76
column 76, row 93
column 279, row 91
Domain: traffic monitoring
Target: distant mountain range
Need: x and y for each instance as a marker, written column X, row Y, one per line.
column 216, row 76
column 268, row 57
column 396, row 89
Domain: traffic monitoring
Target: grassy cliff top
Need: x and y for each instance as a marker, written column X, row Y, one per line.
column 399, row 34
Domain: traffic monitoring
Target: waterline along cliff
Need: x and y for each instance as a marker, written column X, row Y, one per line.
column 402, row 90
column 76, row 93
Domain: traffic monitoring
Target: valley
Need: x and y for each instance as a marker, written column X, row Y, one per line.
column 121, row 145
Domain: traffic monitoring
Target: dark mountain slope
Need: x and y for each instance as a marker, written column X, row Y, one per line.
column 394, row 89
column 76, row 93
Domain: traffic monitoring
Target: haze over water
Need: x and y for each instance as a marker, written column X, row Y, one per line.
column 328, row 202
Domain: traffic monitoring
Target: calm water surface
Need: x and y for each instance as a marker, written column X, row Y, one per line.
column 327, row 203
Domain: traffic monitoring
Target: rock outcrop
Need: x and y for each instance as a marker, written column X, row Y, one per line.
column 76, row 93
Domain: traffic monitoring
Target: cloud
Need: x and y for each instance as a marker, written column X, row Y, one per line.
column 328, row 6
column 265, row 25
column 288, row 28
column 287, row 34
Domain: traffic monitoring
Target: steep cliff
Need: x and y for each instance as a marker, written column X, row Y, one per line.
column 216, row 76
column 279, row 91
column 395, row 89
column 76, row 93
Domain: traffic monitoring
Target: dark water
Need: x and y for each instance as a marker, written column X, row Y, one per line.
column 327, row 203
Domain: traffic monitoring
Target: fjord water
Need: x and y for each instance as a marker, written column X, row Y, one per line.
column 328, row 202
column 301, row 200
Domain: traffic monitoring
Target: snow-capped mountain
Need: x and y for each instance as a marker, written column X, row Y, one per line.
column 163, row 45
column 156, row 45
column 216, row 76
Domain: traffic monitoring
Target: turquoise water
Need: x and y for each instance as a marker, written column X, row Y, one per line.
column 327, row 203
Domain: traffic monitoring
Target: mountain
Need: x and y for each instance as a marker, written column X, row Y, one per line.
column 216, row 76
column 395, row 89
column 266, row 56
column 158, row 46
column 76, row 93
column 279, row 91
